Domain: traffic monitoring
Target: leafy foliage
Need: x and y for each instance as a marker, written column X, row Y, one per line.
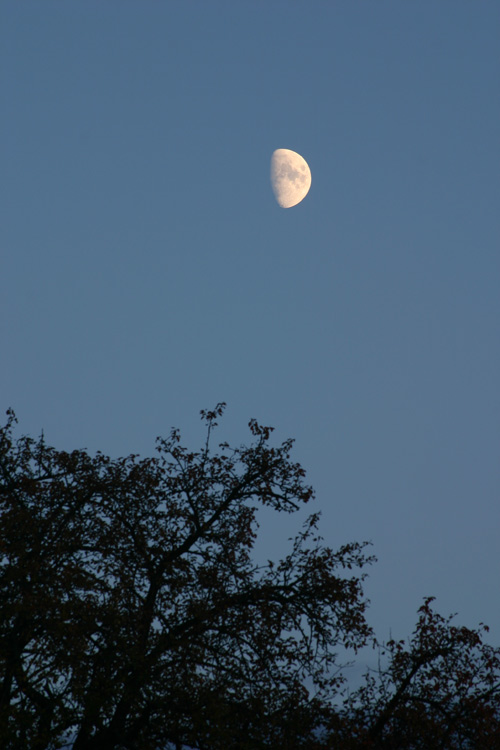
column 132, row 614
column 439, row 690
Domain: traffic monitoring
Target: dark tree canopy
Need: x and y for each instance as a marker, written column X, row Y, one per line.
column 132, row 614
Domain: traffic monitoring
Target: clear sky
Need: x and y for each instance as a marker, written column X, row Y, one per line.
column 146, row 271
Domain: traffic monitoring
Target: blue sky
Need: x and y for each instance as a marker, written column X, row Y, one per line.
column 146, row 271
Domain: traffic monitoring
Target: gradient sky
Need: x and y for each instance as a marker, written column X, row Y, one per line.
column 146, row 271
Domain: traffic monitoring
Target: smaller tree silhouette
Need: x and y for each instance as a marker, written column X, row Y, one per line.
column 439, row 690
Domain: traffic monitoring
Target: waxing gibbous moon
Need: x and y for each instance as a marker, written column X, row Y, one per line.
column 290, row 177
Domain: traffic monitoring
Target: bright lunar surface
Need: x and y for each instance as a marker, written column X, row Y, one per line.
column 290, row 177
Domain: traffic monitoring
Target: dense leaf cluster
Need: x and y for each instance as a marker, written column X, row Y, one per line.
column 132, row 613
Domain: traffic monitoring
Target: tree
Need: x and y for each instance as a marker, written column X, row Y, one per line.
column 439, row 690
column 133, row 616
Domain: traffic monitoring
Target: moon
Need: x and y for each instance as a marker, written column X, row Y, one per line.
column 290, row 177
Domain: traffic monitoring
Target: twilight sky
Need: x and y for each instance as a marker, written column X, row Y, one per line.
column 146, row 271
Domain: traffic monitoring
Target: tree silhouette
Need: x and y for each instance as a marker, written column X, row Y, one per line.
column 133, row 616
column 441, row 689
